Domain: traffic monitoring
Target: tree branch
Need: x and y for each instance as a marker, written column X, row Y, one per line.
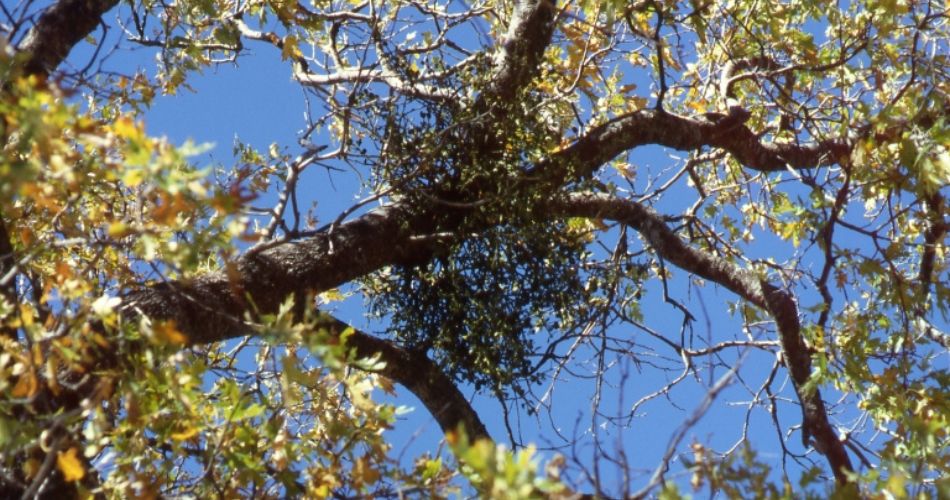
column 521, row 49
column 643, row 127
column 58, row 29
column 7, row 263
column 358, row 74
column 817, row 430
column 416, row 372
column 210, row 308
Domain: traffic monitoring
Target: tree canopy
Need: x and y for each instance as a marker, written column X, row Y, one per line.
column 681, row 204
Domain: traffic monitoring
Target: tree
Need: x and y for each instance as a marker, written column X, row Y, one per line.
column 163, row 335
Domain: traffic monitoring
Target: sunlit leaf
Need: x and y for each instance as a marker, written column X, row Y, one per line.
column 70, row 465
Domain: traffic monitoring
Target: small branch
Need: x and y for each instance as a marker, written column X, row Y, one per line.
column 647, row 126
column 660, row 65
column 817, row 431
column 358, row 74
column 690, row 422
column 290, row 186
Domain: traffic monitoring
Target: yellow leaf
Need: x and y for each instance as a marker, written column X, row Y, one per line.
column 133, row 176
column 361, row 400
column 185, row 434
column 452, row 438
column 26, row 386
column 279, row 458
column 70, row 465
column 26, row 314
column 119, row 229
column 31, row 467
column 52, row 368
column 626, row 170
column 698, row 106
column 896, row 485
column 167, row 332
column 291, row 49
column 125, row 128
column 321, row 491
column 364, row 473
column 331, row 295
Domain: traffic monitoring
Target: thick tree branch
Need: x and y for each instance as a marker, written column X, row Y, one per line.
column 58, row 29
column 7, row 263
column 521, row 50
column 937, row 228
column 212, row 307
column 643, row 127
column 416, row 372
column 817, row 430
column 648, row 223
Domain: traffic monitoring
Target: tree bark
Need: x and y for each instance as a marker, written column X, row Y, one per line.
column 58, row 30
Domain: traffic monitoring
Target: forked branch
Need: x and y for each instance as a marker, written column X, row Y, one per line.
column 817, row 430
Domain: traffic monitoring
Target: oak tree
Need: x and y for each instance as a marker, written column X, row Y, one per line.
column 659, row 202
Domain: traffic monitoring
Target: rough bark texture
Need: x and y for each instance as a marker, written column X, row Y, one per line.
column 529, row 33
column 58, row 30
column 816, row 429
column 7, row 283
column 210, row 308
column 683, row 133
